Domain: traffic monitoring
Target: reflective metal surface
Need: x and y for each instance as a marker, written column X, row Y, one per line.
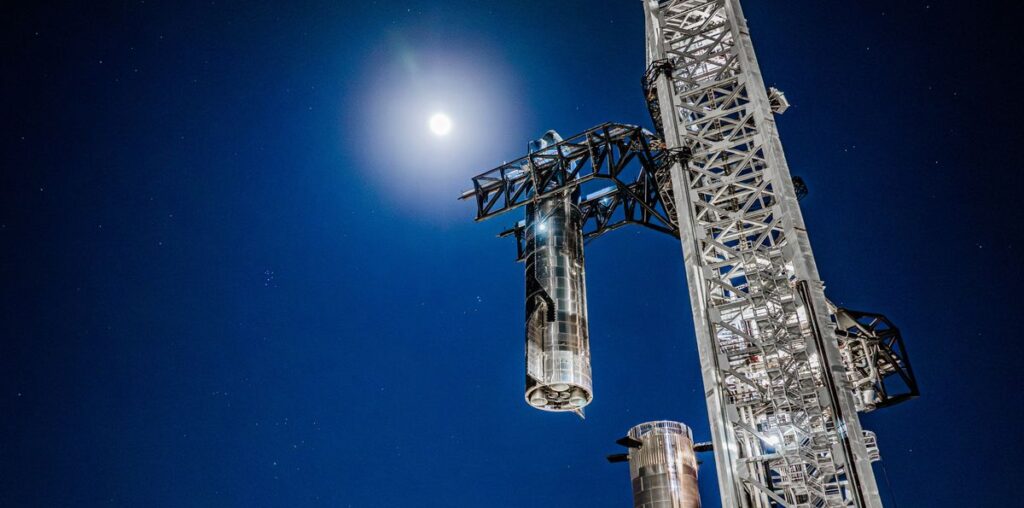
column 663, row 467
column 557, row 344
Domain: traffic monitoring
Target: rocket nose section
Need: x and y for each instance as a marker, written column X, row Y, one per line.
column 549, row 138
column 552, row 137
column 536, row 145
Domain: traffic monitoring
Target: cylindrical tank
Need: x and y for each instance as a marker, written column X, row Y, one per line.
column 557, row 344
column 664, row 467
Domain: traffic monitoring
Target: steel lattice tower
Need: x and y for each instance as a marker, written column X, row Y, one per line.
column 782, row 412
column 785, row 371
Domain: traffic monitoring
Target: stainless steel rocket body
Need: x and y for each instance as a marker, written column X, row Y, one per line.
column 557, row 343
column 664, row 467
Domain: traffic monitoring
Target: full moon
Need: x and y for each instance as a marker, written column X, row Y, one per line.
column 440, row 124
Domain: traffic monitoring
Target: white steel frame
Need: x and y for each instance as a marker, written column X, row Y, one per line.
column 783, row 418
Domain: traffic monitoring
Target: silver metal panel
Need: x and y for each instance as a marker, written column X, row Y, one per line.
column 783, row 418
column 557, row 343
column 664, row 468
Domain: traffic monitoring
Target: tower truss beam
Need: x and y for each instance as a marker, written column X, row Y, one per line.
column 783, row 417
column 625, row 155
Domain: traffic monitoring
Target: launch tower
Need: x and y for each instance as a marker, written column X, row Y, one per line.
column 785, row 371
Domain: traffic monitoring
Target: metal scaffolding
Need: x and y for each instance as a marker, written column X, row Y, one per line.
column 783, row 416
column 785, row 371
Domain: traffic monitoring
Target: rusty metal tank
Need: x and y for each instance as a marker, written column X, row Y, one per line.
column 663, row 466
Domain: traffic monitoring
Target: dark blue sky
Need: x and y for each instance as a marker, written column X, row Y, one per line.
column 232, row 277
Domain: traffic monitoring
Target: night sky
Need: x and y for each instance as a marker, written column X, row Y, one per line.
column 234, row 271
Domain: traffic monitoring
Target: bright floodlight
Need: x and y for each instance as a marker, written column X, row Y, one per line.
column 440, row 124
